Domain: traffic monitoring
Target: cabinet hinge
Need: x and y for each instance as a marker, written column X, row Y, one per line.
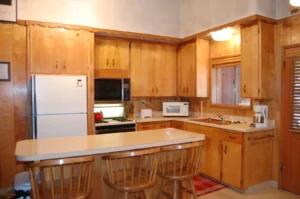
column 281, row 167
column 258, row 91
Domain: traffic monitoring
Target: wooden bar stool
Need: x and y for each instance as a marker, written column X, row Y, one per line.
column 62, row 178
column 180, row 163
column 131, row 171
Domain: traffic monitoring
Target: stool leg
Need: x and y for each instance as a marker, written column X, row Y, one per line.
column 175, row 190
column 116, row 194
column 193, row 189
column 126, row 195
column 146, row 194
column 161, row 188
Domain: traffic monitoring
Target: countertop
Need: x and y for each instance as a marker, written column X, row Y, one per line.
column 243, row 128
column 41, row 149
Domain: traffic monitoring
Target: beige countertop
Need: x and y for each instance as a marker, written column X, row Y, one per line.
column 243, row 128
column 41, row 149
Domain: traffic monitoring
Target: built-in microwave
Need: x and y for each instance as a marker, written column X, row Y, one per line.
column 112, row 89
column 175, row 109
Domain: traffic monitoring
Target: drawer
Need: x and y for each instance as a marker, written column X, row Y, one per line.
column 232, row 137
column 145, row 126
column 177, row 125
column 162, row 125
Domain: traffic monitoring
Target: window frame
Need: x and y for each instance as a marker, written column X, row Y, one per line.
column 225, row 61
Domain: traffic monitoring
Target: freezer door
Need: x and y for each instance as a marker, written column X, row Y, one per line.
column 53, row 126
column 59, row 94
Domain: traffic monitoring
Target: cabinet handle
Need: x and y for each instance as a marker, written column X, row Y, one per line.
column 113, row 62
column 152, row 90
column 244, row 89
column 225, row 149
column 156, row 90
column 232, row 137
column 107, row 62
column 187, row 89
column 183, row 89
column 56, row 65
column 64, row 66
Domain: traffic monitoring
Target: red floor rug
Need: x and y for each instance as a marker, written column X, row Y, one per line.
column 204, row 186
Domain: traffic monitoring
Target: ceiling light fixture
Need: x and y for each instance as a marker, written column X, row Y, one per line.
column 222, row 35
column 295, row 3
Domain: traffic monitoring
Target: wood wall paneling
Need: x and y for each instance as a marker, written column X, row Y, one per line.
column 13, row 101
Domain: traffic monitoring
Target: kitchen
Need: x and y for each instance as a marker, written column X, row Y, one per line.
column 16, row 95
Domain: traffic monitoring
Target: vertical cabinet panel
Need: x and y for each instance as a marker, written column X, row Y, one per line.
column 121, row 55
column 102, row 53
column 232, row 163
column 250, row 42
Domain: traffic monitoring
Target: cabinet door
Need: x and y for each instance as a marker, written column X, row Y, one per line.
column 75, row 52
column 165, row 70
column 211, row 157
column 103, row 58
column 232, row 163
column 142, row 69
column 250, row 61
column 186, row 64
column 44, row 50
column 120, row 55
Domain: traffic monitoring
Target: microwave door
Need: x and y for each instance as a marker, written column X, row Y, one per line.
column 173, row 109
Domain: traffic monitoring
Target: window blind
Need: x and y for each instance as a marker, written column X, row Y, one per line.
column 295, row 122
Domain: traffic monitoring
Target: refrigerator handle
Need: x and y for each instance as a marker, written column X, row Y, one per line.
column 33, row 106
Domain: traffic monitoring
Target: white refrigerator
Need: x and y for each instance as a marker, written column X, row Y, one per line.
column 59, row 106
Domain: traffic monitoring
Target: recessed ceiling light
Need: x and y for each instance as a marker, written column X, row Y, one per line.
column 222, row 35
column 295, row 3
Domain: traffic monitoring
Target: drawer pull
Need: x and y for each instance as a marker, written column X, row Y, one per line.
column 225, row 149
column 260, row 138
column 232, row 137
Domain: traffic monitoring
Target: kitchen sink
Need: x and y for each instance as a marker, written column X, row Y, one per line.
column 213, row 121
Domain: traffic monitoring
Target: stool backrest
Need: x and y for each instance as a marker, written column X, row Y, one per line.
column 181, row 161
column 132, row 170
column 62, row 178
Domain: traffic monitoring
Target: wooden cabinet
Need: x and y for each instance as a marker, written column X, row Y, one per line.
column 152, row 65
column 177, row 125
column 153, row 125
column 112, row 54
column 231, row 169
column 193, row 69
column 257, row 47
column 58, row 51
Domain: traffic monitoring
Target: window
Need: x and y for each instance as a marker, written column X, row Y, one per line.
column 226, row 82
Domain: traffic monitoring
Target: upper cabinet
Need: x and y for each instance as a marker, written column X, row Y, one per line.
column 153, row 69
column 112, row 56
column 58, row 51
column 193, row 69
column 257, row 46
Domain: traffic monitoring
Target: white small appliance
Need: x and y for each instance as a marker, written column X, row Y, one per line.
column 260, row 118
column 175, row 109
column 146, row 113
column 59, row 106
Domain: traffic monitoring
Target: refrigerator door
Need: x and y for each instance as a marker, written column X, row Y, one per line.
column 54, row 126
column 59, row 94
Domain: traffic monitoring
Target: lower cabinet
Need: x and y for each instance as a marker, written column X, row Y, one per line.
column 153, row 125
column 177, row 125
column 236, row 159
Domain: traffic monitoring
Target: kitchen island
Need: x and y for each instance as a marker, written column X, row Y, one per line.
column 97, row 145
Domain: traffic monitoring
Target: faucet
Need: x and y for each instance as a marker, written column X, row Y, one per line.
column 221, row 117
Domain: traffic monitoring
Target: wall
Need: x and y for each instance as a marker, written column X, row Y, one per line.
column 160, row 17
column 200, row 15
column 13, row 100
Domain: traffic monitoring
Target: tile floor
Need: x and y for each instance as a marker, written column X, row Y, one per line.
column 269, row 193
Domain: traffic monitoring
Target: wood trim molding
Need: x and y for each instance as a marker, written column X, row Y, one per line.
column 149, row 37
column 111, row 73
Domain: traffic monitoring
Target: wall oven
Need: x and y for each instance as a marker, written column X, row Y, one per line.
column 112, row 89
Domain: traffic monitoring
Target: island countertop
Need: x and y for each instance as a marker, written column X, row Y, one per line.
column 52, row 148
